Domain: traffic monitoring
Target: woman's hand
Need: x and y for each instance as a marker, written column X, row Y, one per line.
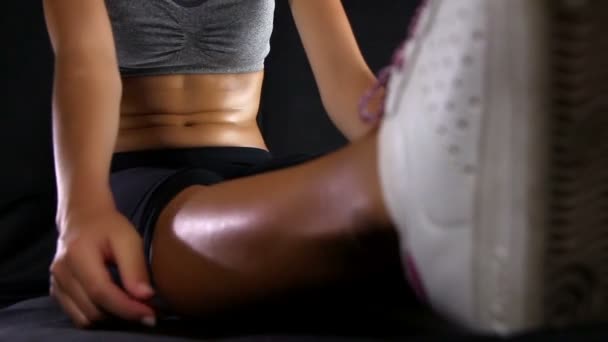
column 80, row 279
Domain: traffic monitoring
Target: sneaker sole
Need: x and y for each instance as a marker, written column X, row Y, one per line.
column 576, row 265
column 542, row 247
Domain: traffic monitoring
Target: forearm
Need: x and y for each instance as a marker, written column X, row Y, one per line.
column 342, row 74
column 236, row 242
column 85, row 124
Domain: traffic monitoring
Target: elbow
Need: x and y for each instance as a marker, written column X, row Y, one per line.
column 345, row 106
column 80, row 86
column 80, row 68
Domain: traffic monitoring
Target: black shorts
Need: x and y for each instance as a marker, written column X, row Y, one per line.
column 144, row 182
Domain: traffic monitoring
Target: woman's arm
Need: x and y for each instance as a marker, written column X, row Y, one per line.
column 341, row 72
column 86, row 99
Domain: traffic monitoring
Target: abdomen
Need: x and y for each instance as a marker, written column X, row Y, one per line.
column 177, row 111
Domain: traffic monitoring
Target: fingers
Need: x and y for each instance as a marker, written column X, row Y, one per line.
column 114, row 300
column 68, row 305
column 133, row 269
column 65, row 283
column 94, row 277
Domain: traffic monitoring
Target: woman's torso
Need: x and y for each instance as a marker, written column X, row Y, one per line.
column 192, row 71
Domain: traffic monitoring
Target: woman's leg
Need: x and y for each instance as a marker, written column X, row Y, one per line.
column 223, row 245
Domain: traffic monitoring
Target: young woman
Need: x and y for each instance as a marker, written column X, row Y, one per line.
column 153, row 97
column 490, row 163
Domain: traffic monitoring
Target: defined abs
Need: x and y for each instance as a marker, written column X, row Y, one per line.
column 190, row 111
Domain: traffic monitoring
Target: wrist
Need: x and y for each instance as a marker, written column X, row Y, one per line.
column 75, row 208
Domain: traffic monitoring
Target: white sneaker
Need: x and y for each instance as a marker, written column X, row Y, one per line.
column 494, row 161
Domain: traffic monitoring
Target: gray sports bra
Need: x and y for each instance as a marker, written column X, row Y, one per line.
column 155, row 37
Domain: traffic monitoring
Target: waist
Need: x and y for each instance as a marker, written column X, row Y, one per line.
column 188, row 136
column 222, row 159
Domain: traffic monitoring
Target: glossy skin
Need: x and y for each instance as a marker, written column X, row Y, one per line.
column 96, row 113
column 238, row 241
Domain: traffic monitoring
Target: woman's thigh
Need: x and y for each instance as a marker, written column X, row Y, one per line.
column 248, row 238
